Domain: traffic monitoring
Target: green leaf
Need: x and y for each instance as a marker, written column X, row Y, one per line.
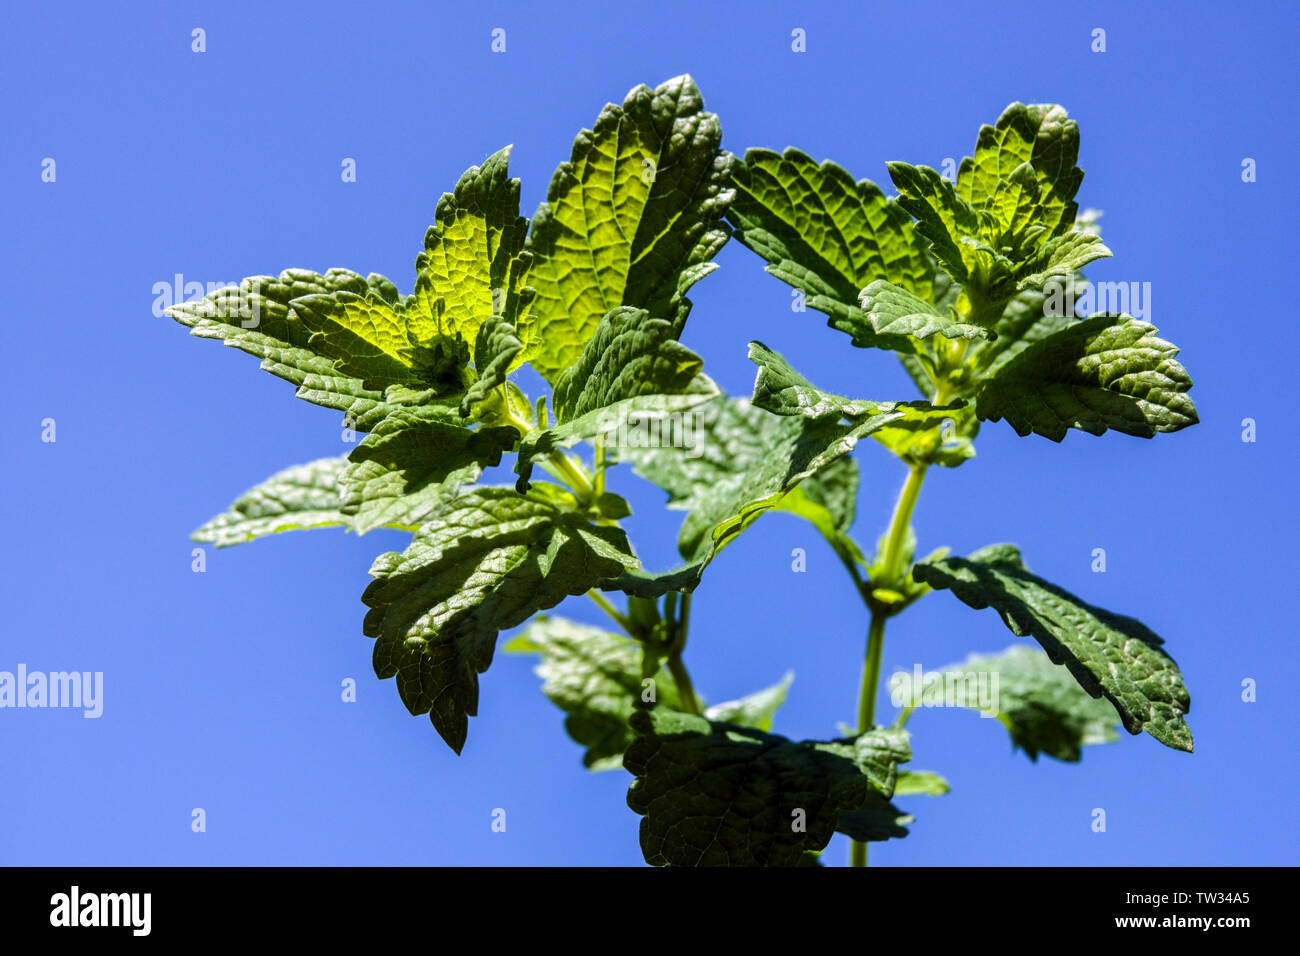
column 834, row 492
column 474, row 259
column 595, row 678
column 640, row 583
column 632, row 373
column 656, row 414
column 827, row 236
column 631, row 354
column 1039, row 703
column 923, row 782
column 746, row 462
column 1061, row 255
column 753, row 710
column 944, row 219
column 304, row 496
column 256, row 317
column 932, row 435
column 414, row 459
column 1006, row 225
column 1106, row 372
column 780, row 389
column 495, row 350
column 1029, row 317
column 877, row 820
column 1107, row 653
column 713, row 794
column 633, row 218
column 472, row 268
column 484, row 562
column 372, row 339
column 995, row 180
column 918, row 433
column 894, row 311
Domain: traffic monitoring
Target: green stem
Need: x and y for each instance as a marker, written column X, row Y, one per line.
column 600, row 465
column 871, row 673
column 574, row 475
column 678, row 623
column 899, row 525
column 685, row 689
column 890, row 577
column 867, row 704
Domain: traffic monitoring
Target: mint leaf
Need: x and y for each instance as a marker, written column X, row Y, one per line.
column 714, row 794
column 372, row 339
column 827, row 236
column 1042, row 706
column 472, row 268
column 1023, row 171
column 918, row 432
column 833, row 491
column 891, row 310
column 875, row 821
column 753, row 710
column 633, row 218
column 1032, row 315
column 276, row 334
column 631, row 371
column 1106, row 372
column 1107, row 653
column 932, row 435
column 1061, row 255
column 474, row 265
column 943, row 219
column 1006, row 224
column 630, row 354
column 631, row 413
column 780, row 389
column 595, row 678
column 484, row 562
column 745, row 463
column 304, row 496
column 495, row 349
column 922, row 782
column 413, row 460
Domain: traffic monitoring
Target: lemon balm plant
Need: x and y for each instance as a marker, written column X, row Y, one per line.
column 958, row 278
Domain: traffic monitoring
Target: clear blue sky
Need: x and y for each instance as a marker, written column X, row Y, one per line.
column 222, row 688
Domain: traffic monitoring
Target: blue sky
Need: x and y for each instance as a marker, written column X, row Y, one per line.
column 221, row 689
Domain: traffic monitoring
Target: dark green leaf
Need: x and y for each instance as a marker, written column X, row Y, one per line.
column 414, row 459
column 714, row 794
column 1106, row 372
column 595, row 678
column 746, row 463
column 827, row 236
column 1107, row 653
column 484, row 562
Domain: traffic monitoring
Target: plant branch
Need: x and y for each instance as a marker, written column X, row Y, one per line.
column 890, row 576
